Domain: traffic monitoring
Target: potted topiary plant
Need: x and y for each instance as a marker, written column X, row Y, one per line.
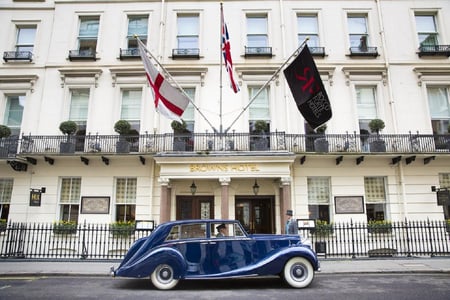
column 377, row 145
column 180, row 135
column 261, row 141
column 122, row 127
column 68, row 128
column 320, row 142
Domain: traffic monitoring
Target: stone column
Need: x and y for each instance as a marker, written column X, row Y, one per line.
column 225, row 182
column 164, row 205
column 285, row 202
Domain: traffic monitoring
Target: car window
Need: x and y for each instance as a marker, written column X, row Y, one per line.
column 191, row 231
column 174, row 233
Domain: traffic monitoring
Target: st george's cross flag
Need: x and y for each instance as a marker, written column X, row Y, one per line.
column 226, row 52
column 307, row 89
column 169, row 101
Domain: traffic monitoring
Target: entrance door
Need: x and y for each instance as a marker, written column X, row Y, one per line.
column 256, row 214
column 195, row 207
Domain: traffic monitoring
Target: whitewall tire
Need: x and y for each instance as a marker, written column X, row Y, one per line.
column 162, row 277
column 298, row 272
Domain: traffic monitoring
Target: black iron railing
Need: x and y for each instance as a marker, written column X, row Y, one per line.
column 186, row 53
column 434, row 50
column 406, row 238
column 103, row 241
column 364, row 51
column 204, row 143
column 17, row 55
column 129, row 53
column 258, row 51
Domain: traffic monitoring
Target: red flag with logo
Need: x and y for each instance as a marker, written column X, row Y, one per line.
column 307, row 89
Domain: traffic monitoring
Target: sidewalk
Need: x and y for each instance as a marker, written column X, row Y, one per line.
column 23, row 267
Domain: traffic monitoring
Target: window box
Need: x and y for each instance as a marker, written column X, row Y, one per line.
column 322, row 229
column 379, row 227
column 65, row 227
column 122, row 229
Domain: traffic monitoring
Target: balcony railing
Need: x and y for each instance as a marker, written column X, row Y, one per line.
column 17, row 55
column 88, row 54
column 186, row 53
column 198, row 143
column 434, row 50
column 129, row 53
column 364, row 51
column 258, row 51
column 317, row 51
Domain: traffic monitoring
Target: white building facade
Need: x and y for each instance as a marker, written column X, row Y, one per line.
column 77, row 60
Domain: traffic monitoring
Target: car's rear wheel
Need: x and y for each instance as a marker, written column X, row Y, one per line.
column 298, row 272
column 162, row 278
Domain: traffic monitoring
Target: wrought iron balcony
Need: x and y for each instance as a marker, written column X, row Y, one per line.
column 364, row 51
column 87, row 54
column 186, row 53
column 317, row 51
column 205, row 143
column 17, row 55
column 258, row 51
column 130, row 53
column 434, row 50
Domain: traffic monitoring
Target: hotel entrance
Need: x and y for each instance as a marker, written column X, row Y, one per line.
column 256, row 213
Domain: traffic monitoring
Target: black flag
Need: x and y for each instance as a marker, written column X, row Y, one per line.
column 308, row 90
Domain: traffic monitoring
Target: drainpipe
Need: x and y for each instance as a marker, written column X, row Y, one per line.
column 392, row 103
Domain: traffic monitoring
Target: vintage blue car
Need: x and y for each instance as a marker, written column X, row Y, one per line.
column 213, row 249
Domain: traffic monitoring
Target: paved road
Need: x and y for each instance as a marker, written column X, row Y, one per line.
column 383, row 286
column 328, row 266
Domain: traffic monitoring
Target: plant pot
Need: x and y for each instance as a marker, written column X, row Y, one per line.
column 67, row 147
column 122, row 147
column 179, row 145
column 122, row 230
column 378, row 146
column 65, row 228
column 321, row 145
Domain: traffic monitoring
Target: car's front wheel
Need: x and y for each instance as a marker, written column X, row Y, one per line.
column 298, row 272
column 162, row 278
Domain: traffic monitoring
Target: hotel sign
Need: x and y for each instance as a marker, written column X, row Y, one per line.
column 233, row 168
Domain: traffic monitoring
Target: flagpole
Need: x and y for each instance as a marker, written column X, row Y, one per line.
column 295, row 53
column 174, row 81
column 221, row 65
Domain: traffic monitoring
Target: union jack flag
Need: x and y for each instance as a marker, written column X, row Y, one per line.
column 227, row 53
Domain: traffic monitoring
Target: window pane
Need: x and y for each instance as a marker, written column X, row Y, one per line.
column 187, row 25
column 70, row 190
column 6, row 186
column 89, row 26
column 307, row 24
column 79, row 105
column 131, row 105
column 25, row 38
column 365, row 100
column 259, row 109
column 126, row 190
column 14, row 110
column 188, row 114
column 357, row 25
column 374, row 189
column 257, row 25
column 425, row 24
column 137, row 25
column 318, row 190
column 439, row 102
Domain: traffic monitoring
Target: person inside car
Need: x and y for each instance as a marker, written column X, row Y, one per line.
column 221, row 230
